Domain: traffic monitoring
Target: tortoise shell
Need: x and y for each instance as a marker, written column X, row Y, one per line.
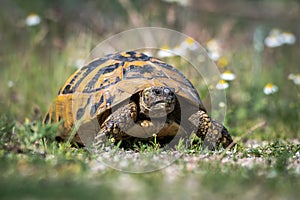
column 107, row 82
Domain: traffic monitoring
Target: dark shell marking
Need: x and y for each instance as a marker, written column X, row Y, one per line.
column 105, row 83
column 116, row 77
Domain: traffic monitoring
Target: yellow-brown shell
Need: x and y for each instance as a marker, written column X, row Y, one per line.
column 108, row 81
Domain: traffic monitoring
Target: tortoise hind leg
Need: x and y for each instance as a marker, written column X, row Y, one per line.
column 218, row 134
column 117, row 124
column 210, row 131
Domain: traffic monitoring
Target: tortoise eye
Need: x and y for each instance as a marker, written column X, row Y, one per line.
column 167, row 91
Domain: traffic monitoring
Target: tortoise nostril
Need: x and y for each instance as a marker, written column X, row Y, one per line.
column 156, row 91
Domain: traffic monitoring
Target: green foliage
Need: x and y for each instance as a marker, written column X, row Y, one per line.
column 42, row 162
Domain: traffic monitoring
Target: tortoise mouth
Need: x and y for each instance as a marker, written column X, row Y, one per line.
column 160, row 109
column 161, row 103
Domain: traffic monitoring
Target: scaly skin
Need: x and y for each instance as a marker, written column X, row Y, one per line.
column 126, row 122
column 118, row 123
column 210, row 131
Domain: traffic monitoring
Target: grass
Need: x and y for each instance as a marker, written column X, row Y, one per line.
column 29, row 154
column 37, row 61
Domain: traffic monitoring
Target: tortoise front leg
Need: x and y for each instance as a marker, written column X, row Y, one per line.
column 117, row 124
column 210, row 131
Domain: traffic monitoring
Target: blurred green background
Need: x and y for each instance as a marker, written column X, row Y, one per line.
column 254, row 43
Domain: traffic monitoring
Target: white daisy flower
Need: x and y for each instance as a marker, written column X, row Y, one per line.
column 228, row 76
column 277, row 38
column 213, row 49
column 189, row 43
column 222, row 85
column 214, row 55
column 288, row 38
column 33, row 20
column 165, row 52
column 213, row 45
column 273, row 41
column 222, row 104
column 178, row 50
column 295, row 78
column 270, row 89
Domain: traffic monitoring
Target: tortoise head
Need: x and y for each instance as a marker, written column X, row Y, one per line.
column 157, row 101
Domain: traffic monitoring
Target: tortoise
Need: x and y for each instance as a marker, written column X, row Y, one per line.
column 132, row 95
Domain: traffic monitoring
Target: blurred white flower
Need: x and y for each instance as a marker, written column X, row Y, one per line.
column 295, row 78
column 273, row 41
column 178, row 50
column 33, row 20
column 214, row 55
column 180, row 2
column 222, row 104
column 213, row 49
column 189, row 43
column 228, row 76
column 277, row 38
column 10, row 83
column 221, row 85
column 288, row 38
column 165, row 52
column 212, row 45
column 270, row 89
